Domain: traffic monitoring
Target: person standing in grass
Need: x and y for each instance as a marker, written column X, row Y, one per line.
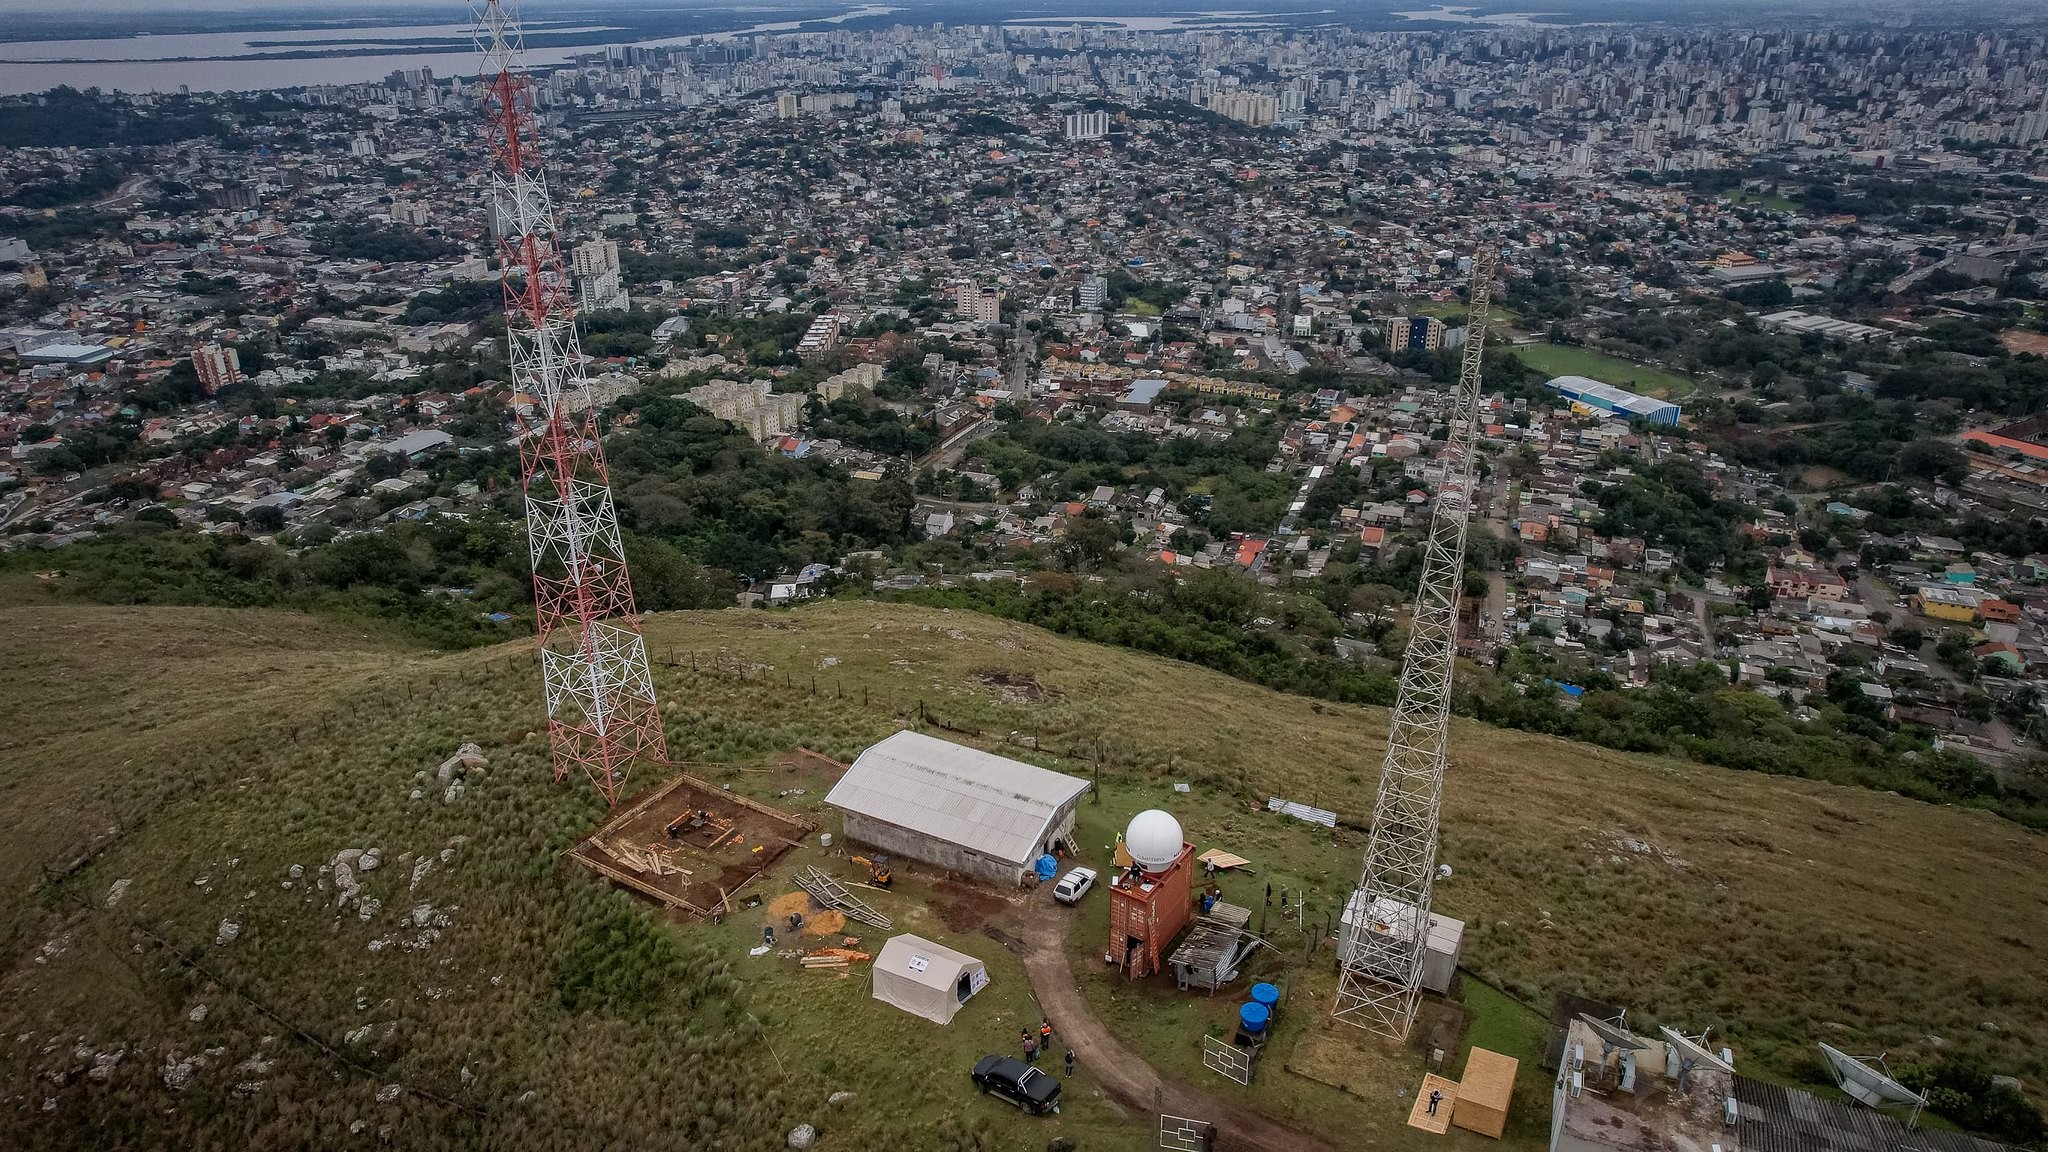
column 1030, row 1049
column 1070, row 1063
column 1045, row 1035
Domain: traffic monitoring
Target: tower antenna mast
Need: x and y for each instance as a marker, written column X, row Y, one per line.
column 1386, row 927
column 600, row 695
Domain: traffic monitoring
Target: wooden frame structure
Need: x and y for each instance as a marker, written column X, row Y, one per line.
column 616, row 856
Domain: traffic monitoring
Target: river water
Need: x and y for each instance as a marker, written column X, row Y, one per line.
column 250, row 61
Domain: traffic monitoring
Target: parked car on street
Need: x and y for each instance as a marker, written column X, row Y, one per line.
column 1019, row 1083
column 1074, row 885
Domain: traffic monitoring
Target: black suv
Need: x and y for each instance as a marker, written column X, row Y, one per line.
column 1018, row 1082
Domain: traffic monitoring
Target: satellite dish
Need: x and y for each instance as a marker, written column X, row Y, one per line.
column 1153, row 839
column 1615, row 1038
column 1693, row 1054
column 1868, row 1085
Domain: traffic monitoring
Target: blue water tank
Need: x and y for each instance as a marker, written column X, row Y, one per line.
column 1266, row 996
column 1253, row 1017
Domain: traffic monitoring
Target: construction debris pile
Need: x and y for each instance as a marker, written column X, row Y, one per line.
column 832, row 894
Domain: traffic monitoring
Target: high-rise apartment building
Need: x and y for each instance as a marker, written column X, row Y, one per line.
column 1256, row 109
column 1087, row 125
column 981, row 306
column 1414, row 333
column 600, row 287
column 1092, row 294
column 218, row 367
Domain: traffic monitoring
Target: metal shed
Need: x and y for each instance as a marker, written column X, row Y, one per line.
column 959, row 808
column 1212, row 952
column 1442, row 941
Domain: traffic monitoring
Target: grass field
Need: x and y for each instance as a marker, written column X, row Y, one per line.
column 1455, row 310
column 200, row 754
column 1568, row 360
column 1773, row 202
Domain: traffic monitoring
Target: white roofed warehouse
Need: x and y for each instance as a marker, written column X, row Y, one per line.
column 955, row 807
column 1606, row 398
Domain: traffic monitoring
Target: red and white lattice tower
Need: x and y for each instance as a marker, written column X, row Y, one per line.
column 601, row 709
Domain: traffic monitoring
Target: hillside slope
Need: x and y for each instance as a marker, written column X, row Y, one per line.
column 200, row 755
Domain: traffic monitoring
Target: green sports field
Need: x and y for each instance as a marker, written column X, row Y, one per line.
column 1565, row 360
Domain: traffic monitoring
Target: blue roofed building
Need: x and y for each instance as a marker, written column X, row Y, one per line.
column 1617, row 402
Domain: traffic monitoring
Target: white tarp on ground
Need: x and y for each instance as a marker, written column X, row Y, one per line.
column 925, row 978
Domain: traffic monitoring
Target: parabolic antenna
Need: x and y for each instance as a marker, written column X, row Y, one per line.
column 1616, row 1038
column 1694, row 1054
column 1867, row 1084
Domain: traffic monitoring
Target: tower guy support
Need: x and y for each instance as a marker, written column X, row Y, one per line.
column 1386, row 933
column 600, row 695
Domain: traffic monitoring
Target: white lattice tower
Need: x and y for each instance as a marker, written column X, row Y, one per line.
column 1381, row 951
column 601, row 709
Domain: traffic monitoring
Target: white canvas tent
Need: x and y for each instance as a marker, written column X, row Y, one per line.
column 926, row 979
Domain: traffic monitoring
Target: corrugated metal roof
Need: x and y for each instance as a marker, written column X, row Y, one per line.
column 1774, row 1118
column 991, row 804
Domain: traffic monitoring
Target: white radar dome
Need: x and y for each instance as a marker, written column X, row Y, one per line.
column 1153, row 839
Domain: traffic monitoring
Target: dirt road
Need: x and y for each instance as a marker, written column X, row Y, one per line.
column 1132, row 1081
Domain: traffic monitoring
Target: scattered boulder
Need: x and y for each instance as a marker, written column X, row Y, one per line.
column 419, row 871
column 389, row 1092
column 295, row 871
column 115, row 893
column 802, row 1136
column 347, row 856
column 421, row 914
column 345, row 883
column 371, row 858
column 197, row 1015
column 529, row 1097
column 358, row 1035
column 368, row 907
column 840, row 1098
column 229, row 929
column 103, row 1065
column 453, row 793
column 178, row 1074
column 467, row 758
column 1060, row 1144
